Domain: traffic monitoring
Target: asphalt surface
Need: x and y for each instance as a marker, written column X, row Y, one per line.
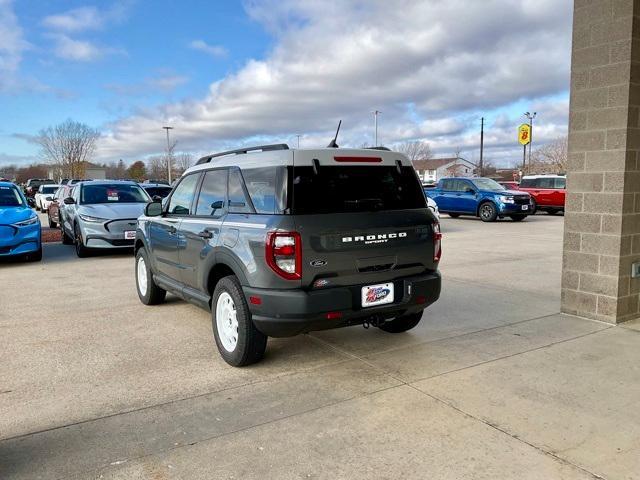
column 494, row 383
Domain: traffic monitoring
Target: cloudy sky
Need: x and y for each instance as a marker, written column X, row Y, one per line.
column 226, row 74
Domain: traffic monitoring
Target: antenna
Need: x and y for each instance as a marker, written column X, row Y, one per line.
column 333, row 143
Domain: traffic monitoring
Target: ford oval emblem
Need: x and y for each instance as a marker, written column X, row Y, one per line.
column 317, row 263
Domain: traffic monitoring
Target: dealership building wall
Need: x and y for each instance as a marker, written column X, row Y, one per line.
column 602, row 218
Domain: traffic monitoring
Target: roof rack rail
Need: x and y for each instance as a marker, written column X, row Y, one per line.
column 241, row 151
column 378, row 148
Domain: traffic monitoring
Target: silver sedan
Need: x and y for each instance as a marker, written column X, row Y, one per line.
column 103, row 214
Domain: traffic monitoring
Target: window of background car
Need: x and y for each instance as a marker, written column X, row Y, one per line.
column 112, row 193
column 546, row 182
column 528, row 183
column 161, row 192
column 212, row 193
column 561, row 182
column 48, row 190
column 238, row 202
column 261, row 185
column 182, row 197
column 488, row 184
column 448, row 184
column 355, row 189
column 10, row 197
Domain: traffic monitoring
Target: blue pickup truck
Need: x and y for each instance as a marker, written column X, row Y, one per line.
column 480, row 197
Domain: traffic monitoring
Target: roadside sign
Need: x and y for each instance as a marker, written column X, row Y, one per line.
column 524, row 134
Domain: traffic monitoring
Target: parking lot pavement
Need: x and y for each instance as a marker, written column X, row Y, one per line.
column 494, row 382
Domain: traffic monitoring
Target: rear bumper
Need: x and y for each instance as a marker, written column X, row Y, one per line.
column 284, row 313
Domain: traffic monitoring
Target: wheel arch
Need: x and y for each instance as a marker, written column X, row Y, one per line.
column 482, row 202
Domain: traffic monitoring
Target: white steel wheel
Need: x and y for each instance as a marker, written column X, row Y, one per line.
column 227, row 322
column 141, row 271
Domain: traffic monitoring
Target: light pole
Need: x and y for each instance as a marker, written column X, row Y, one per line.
column 168, row 155
column 530, row 117
column 481, row 145
column 375, row 121
column 298, row 135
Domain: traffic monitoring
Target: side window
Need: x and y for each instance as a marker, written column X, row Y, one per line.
column 238, row 202
column 447, row 184
column 213, row 193
column 182, row 197
column 561, row 182
column 527, row 183
column 261, row 184
column 546, row 182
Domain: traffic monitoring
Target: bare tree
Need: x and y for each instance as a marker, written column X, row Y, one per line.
column 68, row 146
column 181, row 162
column 417, row 150
column 550, row 158
column 157, row 167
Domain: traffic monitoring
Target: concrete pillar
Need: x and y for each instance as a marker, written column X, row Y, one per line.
column 602, row 217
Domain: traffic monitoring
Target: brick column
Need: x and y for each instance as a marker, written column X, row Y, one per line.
column 602, row 217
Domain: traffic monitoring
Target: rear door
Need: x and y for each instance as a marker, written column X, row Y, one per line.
column 444, row 198
column 200, row 231
column 546, row 190
column 360, row 224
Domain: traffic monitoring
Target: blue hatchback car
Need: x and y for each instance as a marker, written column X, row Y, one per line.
column 19, row 225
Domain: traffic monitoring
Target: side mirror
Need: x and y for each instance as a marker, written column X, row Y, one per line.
column 31, row 202
column 470, row 190
column 69, row 201
column 153, row 209
column 217, row 205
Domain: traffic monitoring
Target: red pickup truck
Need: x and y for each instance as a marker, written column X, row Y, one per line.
column 547, row 192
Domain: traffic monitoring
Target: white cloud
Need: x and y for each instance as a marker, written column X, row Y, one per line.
column 213, row 50
column 76, row 50
column 12, row 46
column 432, row 67
column 76, row 20
column 164, row 82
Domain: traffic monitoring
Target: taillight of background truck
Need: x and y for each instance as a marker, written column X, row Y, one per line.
column 284, row 254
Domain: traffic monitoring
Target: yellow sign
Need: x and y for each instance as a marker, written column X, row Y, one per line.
column 524, row 134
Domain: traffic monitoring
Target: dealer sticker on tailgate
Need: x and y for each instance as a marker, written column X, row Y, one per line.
column 377, row 294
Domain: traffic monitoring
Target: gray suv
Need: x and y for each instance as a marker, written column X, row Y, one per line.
column 278, row 242
column 102, row 214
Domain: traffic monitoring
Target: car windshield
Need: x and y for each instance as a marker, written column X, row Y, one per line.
column 49, row 189
column 10, row 197
column 161, row 192
column 112, row 193
column 488, row 184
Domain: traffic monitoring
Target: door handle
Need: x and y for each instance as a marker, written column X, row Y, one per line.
column 206, row 234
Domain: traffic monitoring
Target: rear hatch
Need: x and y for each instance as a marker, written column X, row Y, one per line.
column 362, row 218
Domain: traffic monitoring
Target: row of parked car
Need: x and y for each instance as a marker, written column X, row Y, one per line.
column 490, row 200
column 90, row 213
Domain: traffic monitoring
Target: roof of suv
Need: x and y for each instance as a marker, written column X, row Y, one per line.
column 549, row 175
column 303, row 157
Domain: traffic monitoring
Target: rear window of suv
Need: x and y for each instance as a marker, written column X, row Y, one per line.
column 353, row 189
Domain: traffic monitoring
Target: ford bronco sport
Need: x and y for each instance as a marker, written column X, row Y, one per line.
column 277, row 242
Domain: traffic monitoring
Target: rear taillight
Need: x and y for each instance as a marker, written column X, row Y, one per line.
column 284, row 254
column 437, row 242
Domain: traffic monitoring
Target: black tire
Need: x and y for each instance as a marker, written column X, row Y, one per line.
column 250, row 343
column 81, row 250
column 518, row 218
column 52, row 224
column 66, row 239
column 488, row 212
column 552, row 211
column 153, row 294
column 534, row 207
column 402, row 324
column 454, row 215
